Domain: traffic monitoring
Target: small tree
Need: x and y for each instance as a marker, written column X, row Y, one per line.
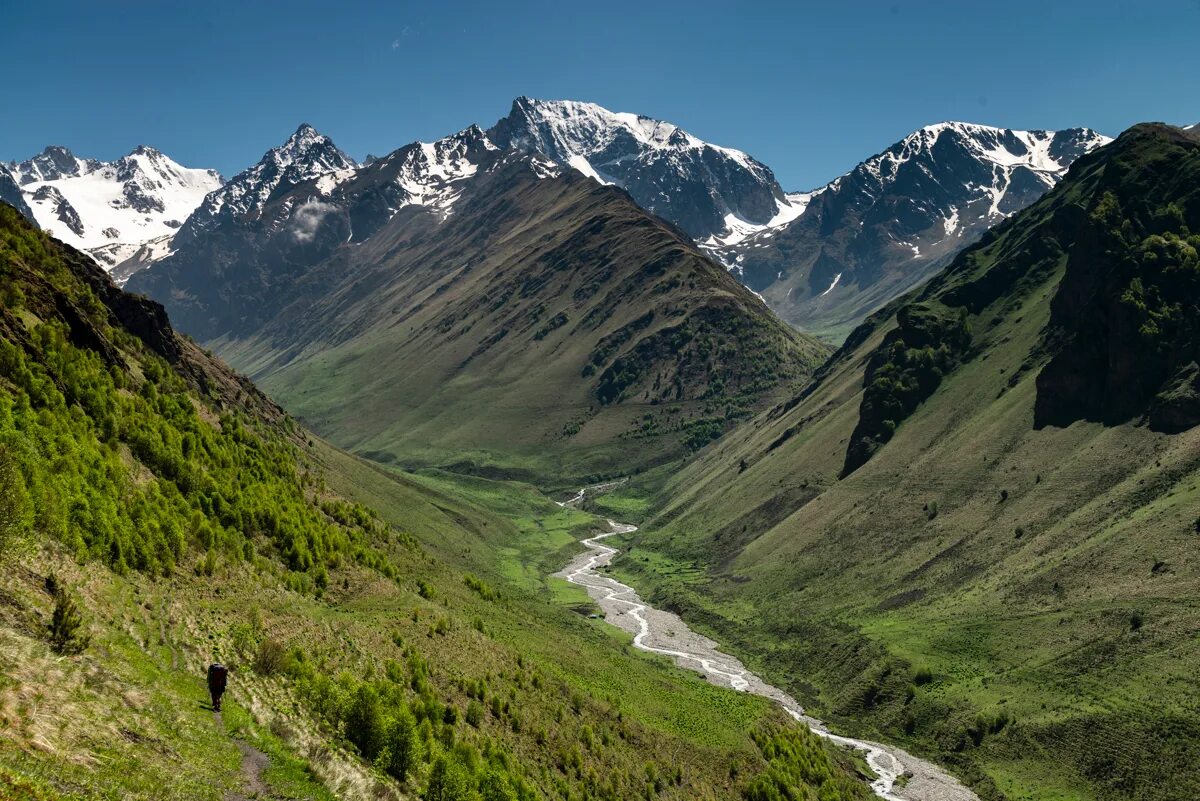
column 66, row 623
column 447, row 781
column 403, row 745
column 495, row 787
column 364, row 722
column 474, row 713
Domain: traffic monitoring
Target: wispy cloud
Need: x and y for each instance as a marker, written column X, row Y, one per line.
column 307, row 219
column 405, row 32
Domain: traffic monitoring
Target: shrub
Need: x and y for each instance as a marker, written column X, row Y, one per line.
column 474, row 713
column 269, row 657
column 66, row 624
column 364, row 722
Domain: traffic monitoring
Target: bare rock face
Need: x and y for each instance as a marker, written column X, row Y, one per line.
column 62, row 209
column 10, row 193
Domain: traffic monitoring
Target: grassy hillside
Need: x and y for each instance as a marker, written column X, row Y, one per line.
column 977, row 531
column 547, row 329
column 158, row 513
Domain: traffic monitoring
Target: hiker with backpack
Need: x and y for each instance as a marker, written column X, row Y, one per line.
column 217, row 677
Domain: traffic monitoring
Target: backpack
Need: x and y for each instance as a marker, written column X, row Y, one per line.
column 216, row 676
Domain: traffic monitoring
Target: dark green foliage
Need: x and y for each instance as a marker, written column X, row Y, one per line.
column 799, row 769
column 1125, row 321
column 551, row 325
column 364, row 722
column 715, row 353
column 66, row 624
column 929, row 340
column 404, row 748
column 16, row 511
column 447, row 782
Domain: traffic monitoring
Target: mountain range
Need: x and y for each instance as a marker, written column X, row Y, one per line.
column 897, row 218
column 285, row 269
column 480, row 300
column 969, row 530
column 822, row 259
column 108, row 209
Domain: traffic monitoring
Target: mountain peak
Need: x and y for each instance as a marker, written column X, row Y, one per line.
column 55, row 161
column 705, row 189
column 57, row 151
column 306, row 134
column 305, row 155
column 899, row 216
column 307, row 140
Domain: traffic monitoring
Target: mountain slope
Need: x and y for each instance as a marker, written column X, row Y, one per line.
column 707, row 190
column 110, row 209
column 185, row 519
column 460, row 302
column 976, row 530
column 898, row 218
column 10, row 193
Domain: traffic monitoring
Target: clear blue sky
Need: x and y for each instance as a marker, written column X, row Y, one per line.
column 808, row 88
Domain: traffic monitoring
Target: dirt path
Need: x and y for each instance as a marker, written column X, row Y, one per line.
column 254, row 764
column 665, row 633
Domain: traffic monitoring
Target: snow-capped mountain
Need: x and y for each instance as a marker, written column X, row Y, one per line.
column 110, row 209
column 898, row 217
column 426, row 175
column 707, row 190
column 305, row 155
column 306, row 202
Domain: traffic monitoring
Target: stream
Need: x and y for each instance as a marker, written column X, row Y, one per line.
column 665, row 633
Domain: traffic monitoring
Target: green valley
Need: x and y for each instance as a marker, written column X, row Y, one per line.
column 975, row 531
column 574, row 455
column 385, row 636
column 548, row 329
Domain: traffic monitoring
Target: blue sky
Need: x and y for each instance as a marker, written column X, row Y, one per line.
column 808, row 88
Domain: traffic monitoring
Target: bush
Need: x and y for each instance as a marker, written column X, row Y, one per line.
column 269, row 658
column 364, row 722
column 474, row 713
column 66, row 623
